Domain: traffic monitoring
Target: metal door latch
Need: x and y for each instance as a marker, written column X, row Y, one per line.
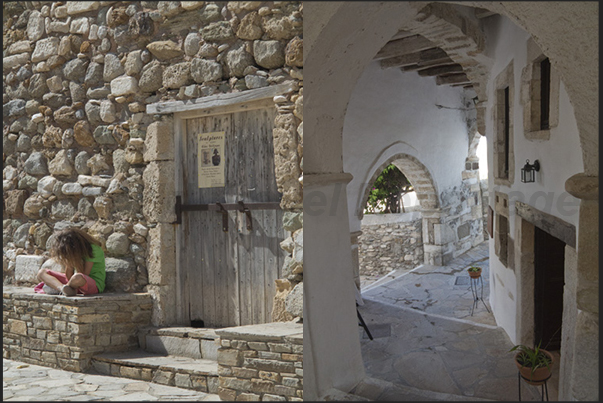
column 247, row 212
column 224, row 217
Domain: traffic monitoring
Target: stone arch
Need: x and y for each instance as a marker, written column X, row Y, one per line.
column 417, row 174
column 363, row 29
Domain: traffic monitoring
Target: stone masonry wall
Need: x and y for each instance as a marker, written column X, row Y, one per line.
column 77, row 141
column 462, row 217
column 65, row 332
column 261, row 362
column 392, row 245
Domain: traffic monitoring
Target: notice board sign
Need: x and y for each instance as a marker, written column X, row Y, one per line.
column 211, row 160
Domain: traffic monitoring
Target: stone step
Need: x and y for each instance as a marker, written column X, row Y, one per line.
column 180, row 341
column 184, row 372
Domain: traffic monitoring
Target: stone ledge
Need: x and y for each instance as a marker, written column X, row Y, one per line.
column 26, row 293
column 264, row 332
column 193, row 333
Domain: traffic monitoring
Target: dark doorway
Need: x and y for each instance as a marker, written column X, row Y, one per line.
column 549, row 260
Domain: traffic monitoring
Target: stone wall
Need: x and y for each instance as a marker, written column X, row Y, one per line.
column 261, row 362
column 65, row 332
column 78, row 144
column 462, row 217
column 390, row 242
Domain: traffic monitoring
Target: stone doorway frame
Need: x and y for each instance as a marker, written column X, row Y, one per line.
column 165, row 274
column 527, row 218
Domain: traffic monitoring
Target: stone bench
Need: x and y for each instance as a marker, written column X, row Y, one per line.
column 65, row 332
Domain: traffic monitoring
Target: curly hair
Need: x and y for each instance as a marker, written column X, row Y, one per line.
column 71, row 246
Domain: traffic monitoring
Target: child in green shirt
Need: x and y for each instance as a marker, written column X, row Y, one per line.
column 84, row 261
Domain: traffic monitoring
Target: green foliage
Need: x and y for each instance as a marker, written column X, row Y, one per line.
column 532, row 357
column 474, row 269
column 388, row 189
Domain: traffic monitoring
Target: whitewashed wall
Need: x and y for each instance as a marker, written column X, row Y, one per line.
column 560, row 157
column 393, row 112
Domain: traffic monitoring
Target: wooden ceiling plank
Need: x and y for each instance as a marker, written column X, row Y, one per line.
column 435, row 55
column 453, row 79
column 404, row 46
column 441, row 70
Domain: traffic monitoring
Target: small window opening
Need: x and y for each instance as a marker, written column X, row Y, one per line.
column 545, row 93
column 506, row 134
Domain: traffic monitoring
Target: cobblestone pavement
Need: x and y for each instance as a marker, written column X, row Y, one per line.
column 427, row 346
column 28, row 382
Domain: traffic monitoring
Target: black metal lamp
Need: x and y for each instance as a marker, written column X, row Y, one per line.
column 528, row 172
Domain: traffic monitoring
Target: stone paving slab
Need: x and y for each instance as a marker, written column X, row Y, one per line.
column 440, row 290
column 432, row 351
column 28, row 382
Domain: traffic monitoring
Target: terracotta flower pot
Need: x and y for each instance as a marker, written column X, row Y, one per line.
column 540, row 375
column 475, row 274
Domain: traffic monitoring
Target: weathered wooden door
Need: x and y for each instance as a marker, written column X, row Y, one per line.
column 549, row 269
column 228, row 277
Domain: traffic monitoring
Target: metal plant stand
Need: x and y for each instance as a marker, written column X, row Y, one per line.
column 544, row 390
column 477, row 290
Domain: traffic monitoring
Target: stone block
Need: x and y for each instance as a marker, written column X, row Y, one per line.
column 243, row 385
column 280, row 347
column 244, row 373
column 270, row 366
column 121, row 274
column 209, row 349
column 227, row 395
column 268, row 355
column 273, row 398
column 164, row 304
column 129, row 372
column 230, row 357
column 213, row 384
column 248, row 397
column 17, row 326
column 284, row 390
column 292, row 382
column 199, row 383
column 183, row 381
column 27, row 267
column 161, row 255
column 159, row 142
column 270, row 376
column 15, row 199
column 124, row 85
column 159, row 192
column 173, row 346
column 260, row 346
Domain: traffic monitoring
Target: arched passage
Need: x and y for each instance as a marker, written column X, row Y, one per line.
column 417, row 174
column 362, row 29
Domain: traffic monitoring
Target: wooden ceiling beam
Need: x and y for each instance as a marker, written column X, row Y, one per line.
column 441, row 70
column 483, row 13
column 453, row 79
column 423, row 58
column 404, row 46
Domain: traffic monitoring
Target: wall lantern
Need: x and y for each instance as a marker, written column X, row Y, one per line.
column 528, row 172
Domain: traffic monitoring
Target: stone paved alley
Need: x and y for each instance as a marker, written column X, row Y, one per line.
column 427, row 346
column 27, row 382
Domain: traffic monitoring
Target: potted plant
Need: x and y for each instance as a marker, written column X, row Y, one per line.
column 474, row 271
column 534, row 363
